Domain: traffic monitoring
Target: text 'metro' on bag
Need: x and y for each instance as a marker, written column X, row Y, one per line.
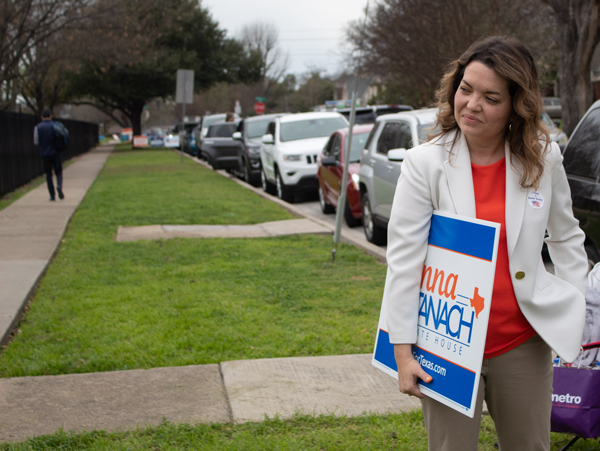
column 576, row 401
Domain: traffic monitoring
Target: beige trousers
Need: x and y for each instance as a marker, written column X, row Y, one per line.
column 517, row 387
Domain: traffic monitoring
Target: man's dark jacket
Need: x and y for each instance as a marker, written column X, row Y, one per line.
column 45, row 138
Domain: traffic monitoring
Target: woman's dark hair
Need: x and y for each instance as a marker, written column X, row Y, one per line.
column 513, row 61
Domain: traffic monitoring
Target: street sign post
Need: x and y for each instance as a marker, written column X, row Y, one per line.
column 184, row 93
column 185, row 86
column 337, row 233
column 259, row 107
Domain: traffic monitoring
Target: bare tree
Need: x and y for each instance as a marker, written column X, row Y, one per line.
column 409, row 42
column 263, row 37
column 40, row 40
column 24, row 26
column 579, row 29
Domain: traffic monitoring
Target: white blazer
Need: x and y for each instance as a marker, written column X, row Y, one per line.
column 432, row 178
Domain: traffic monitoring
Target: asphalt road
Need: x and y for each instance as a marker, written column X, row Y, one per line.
column 311, row 206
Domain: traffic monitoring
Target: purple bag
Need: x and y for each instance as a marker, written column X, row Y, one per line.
column 576, row 401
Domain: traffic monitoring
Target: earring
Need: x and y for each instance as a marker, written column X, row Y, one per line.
column 510, row 126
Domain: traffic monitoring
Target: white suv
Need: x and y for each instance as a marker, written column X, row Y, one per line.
column 381, row 161
column 289, row 151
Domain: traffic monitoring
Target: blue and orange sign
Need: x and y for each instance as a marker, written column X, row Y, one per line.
column 454, row 305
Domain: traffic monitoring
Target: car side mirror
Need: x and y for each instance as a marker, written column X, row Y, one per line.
column 268, row 139
column 396, row 154
column 237, row 135
column 329, row 161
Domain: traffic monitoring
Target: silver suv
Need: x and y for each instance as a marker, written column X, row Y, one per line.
column 381, row 161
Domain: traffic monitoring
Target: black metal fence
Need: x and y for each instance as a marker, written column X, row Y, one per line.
column 20, row 160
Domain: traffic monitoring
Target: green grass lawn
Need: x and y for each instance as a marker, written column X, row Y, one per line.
column 401, row 432
column 105, row 306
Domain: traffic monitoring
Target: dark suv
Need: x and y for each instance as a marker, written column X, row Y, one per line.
column 368, row 114
column 249, row 135
column 582, row 165
column 218, row 146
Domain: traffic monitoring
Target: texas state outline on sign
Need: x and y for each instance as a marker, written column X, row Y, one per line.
column 477, row 302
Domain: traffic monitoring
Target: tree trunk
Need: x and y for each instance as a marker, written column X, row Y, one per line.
column 136, row 110
column 578, row 23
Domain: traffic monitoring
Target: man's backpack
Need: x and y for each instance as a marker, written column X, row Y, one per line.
column 61, row 136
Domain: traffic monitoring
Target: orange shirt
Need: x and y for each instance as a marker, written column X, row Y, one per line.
column 508, row 327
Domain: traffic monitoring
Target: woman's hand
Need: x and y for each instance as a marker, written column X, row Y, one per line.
column 409, row 371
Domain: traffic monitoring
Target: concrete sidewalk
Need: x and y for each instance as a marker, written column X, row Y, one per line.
column 232, row 392
column 235, row 391
column 30, row 231
column 263, row 230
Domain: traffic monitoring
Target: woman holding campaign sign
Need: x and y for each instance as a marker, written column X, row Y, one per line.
column 494, row 161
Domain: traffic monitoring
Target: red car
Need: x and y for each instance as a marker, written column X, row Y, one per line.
column 330, row 169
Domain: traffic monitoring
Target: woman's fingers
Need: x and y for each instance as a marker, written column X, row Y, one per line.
column 408, row 378
column 409, row 371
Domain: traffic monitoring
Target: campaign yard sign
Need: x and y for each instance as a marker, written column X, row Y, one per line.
column 454, row 307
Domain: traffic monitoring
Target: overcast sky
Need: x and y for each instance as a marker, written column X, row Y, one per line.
column 310, row 31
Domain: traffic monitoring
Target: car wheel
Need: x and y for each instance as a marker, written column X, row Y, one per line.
column 246, row 172
column 266, row 185
column 374, row 233
column 350, row 219
column 283, row 192
column 210, row 161
column 325, row 207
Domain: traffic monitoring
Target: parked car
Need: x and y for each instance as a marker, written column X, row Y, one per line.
column 289, row 150
column 330, row 171
column 249, row 134
column 553, row 107
column 201, row 131
column 183, row 131
column 368, row 114
column 582, row 165
column 556, row 134
column 381, row 162
column 219, row 147
column 188, row 141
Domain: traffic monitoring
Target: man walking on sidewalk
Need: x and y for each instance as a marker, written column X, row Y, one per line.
column 44, row 136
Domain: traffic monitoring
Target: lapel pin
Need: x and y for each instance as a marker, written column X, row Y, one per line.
column 535, row 200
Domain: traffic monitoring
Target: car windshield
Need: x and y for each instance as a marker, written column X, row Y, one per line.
column 361, row 116
column 222, row 130
column 364, row 117
column 358, row 144
column 426, row 129
column 212, row 119
column 257, row 128
column 310, row 128
column 390, row 110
